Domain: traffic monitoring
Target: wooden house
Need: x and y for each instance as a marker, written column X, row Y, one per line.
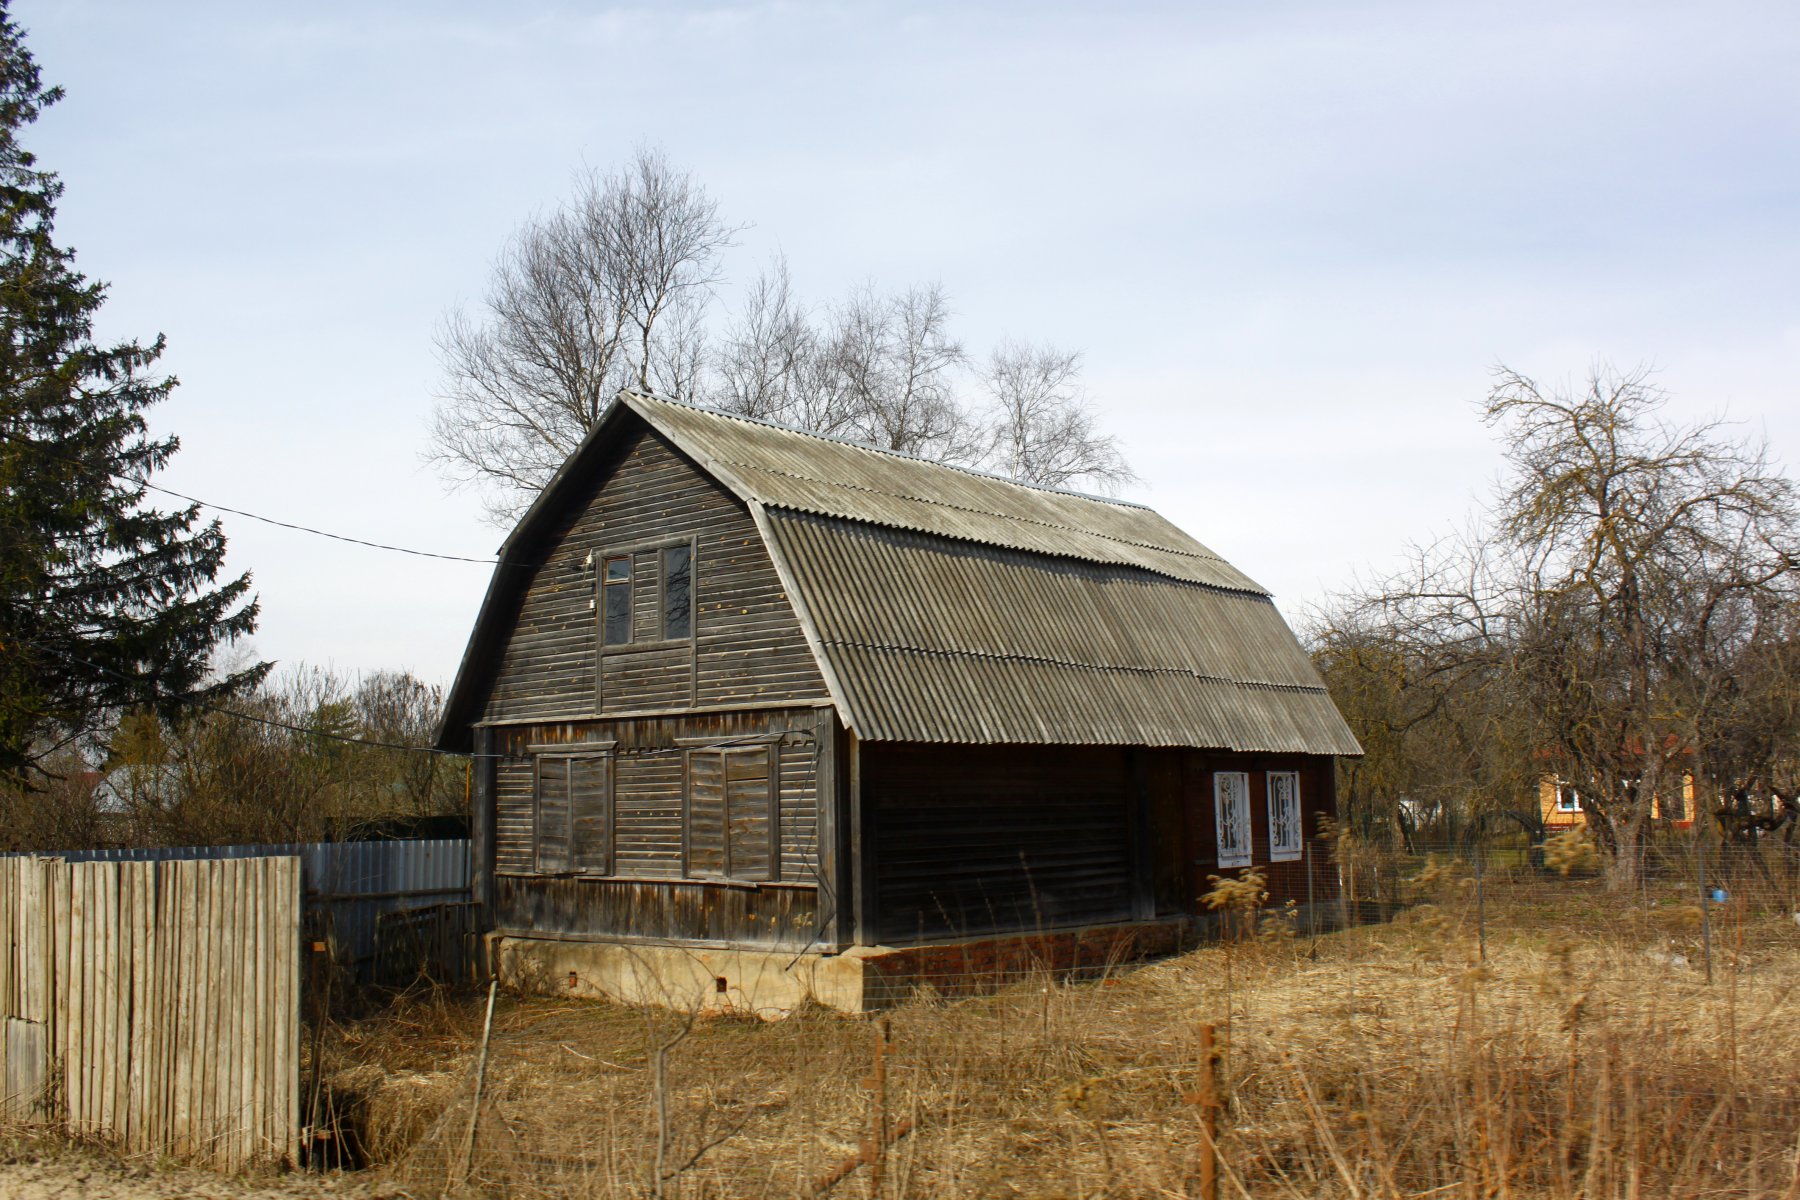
column 742, row 696
column 1560, row 806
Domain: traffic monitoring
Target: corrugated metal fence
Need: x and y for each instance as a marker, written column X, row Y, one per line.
column 154, row 1004
column 377, row 903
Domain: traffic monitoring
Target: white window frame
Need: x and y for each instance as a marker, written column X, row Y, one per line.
column 1234, row 838
column 1287, row 837
column 1572, row 804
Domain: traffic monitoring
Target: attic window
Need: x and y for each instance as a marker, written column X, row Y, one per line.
column 678, row 591
column 615, row 601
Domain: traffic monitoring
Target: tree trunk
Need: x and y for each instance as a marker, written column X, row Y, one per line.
column 1622, row 868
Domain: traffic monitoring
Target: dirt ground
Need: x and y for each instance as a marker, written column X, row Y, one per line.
column 31, row 1171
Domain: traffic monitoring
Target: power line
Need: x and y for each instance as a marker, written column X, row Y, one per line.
column 239, row 512
column 336, row 537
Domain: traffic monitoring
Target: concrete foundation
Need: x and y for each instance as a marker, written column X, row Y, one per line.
column 773, row 983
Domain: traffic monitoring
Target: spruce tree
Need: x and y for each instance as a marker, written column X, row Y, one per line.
column 106, row 602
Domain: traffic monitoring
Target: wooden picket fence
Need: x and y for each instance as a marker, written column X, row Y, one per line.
column 154, row 1005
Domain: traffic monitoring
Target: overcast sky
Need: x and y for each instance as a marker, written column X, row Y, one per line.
column 1292, row 239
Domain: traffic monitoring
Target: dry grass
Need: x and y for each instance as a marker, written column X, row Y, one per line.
column 1582, row 1059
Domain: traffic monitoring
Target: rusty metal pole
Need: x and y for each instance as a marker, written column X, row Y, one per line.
column 1209, row 1116
column 875, row 1153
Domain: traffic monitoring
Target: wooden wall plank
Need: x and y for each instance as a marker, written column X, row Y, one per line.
column 62, row 899
column 117, row 994
column 79, row 1068
column 12, row 927
column 291, row 1002
column 209, row 982
column 181, row 1139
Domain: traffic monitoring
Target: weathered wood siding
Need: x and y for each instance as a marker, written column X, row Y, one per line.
column 718, row 914
column 648, row 895
column 979, row 839
column 747, row 647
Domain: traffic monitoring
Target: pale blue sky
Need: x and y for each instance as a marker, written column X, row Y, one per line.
column 1291, row 238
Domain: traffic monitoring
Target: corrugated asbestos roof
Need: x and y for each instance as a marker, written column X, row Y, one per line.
column 930, row 640
column 945, row 605
column 785, row 468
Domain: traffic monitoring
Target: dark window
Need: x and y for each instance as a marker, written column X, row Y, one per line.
column 731, row 814
column 573, row 811
column 678, row 592
column 615, row 601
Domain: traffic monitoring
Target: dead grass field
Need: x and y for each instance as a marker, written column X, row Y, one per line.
column 1586, row 1057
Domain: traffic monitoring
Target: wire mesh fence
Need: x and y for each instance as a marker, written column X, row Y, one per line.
column 1490, row 1016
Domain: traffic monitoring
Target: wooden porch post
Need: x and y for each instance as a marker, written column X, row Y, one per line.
column 481, row 827
column 863, row 865
column 1140, row 861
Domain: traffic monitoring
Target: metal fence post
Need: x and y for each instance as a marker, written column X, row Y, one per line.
column 1705, row 901
column 1312, row 912
column 1209, row 1116
column 1480, row 891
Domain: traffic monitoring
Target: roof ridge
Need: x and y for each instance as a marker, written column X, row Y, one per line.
column 958, row 508
column 856, row 445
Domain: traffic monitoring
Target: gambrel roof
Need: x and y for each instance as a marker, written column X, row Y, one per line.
column 948, row 605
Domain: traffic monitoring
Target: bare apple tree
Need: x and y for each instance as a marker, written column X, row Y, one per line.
column 1629, row 594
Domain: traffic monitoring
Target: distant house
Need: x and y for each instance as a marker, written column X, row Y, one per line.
column 1561, row 807
column 748, row 701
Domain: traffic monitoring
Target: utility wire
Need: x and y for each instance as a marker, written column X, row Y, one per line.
column 239, row 512
column 336, row 537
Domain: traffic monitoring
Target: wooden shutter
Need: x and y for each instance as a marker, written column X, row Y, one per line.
column 751, row 837
column 552, row 815
column 591, row 823
column 705, row 824
column 732, row 828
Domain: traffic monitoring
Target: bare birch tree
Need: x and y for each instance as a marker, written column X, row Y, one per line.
column 890, row 363
column 613, row 290
column 605, row 292
column 1041, row 427
column 766, row 362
